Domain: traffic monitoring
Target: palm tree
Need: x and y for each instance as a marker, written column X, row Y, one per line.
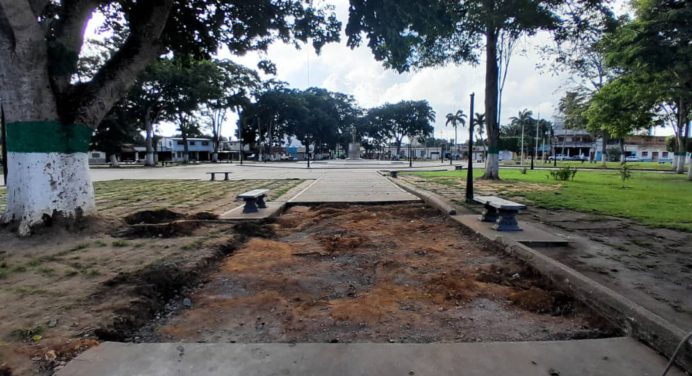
column 479, row 121
column 455, row 119
column 525, row 118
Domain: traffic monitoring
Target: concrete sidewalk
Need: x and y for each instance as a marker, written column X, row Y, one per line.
column 611, row 357
column 353, row 187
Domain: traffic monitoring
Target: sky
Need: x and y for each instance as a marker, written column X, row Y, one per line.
column 446, row 88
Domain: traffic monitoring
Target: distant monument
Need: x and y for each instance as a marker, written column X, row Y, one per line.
column 353, row 146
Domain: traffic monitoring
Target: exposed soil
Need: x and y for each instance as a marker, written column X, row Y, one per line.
column 649, row 265
column 396, row 273
column 652, row 266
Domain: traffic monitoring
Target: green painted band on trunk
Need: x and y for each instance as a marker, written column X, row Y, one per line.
column 493, row 150
column 48, row 137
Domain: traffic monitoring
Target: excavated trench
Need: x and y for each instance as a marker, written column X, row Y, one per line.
column 366, row 273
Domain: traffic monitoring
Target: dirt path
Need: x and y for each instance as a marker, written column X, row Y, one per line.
column 651, row 266
column 395, row 273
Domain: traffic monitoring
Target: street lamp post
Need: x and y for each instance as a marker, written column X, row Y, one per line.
column 469, row 173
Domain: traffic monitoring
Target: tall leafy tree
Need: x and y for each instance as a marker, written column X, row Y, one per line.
column 419, row 34
column 41, row 42
column 654, row 51
column 403, row 119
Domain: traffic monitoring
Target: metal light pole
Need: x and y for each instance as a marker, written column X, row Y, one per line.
column 240, row 141
column 521, row 153
column 469, row 173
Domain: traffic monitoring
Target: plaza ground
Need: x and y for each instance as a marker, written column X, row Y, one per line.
column 127, row 288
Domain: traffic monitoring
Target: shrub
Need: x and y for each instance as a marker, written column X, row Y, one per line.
column 563, row 173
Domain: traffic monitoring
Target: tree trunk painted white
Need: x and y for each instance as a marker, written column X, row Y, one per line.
column 47, row 184
column 680, row 169
column 114, row 161
column 215, row 157
column 48, row 173
column 689, row 169
column 674, row 167
column 149, row 159
column 492, row 164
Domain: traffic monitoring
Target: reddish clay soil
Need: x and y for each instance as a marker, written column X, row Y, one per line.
column 396, row 273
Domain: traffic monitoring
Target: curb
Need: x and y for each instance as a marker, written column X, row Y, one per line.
column 629, row 316
column 430, row 198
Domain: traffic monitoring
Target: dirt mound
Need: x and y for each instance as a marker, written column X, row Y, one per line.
column 159, row 230
column 152, row 217
column 533, row 299
column 205, row 216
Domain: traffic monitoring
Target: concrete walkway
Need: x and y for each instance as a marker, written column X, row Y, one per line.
column 611, row 357
column 352, row 187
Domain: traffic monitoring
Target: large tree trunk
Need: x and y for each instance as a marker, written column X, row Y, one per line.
column 48, row 170
column 49, row 120
column 680, row 154
column 689, row 169
column 492, row 165
column 149, row 158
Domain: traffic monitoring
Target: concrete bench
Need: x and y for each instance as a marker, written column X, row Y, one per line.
column 254, row 199
column 458, row 168
column 500, row 211
column 213, row 173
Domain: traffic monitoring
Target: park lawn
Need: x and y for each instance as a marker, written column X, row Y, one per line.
column 668, row 166
column 122, row 197
column 655, row 199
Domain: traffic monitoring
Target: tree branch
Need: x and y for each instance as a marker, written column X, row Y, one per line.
column 18, row 19
column 95, row 98
column 66, row 42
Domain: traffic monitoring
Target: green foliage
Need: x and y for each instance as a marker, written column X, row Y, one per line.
column 398, row 120
column 34, row 334
column 562, row 174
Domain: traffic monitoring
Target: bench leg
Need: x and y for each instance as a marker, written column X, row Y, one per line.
column 260, row 202
column 489, row 214
column 225, row 176
column 507, row 221
column 250, row 205
column 212, row 177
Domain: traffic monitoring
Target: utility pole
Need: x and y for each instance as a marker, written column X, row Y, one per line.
column 521, row 154
column 469, row 173
column 240, row 141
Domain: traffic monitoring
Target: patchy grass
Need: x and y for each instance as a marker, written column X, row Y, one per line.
column 122, row 197
column 655, row 199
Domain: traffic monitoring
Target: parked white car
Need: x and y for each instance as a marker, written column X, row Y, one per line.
column 631, row 158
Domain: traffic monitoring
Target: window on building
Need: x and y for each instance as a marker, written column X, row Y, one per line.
column 205, row 143
column 664, row 154
column 645, row 154
column 193, row 143
column 95, row 155
column 179, row 142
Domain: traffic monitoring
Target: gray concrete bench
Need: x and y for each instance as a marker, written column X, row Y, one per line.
column 458, row 168
column 500, row 211
column 254, row 199
column 213, row 173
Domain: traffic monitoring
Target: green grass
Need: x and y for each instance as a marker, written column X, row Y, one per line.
column 655, row 199
column 599, row 165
